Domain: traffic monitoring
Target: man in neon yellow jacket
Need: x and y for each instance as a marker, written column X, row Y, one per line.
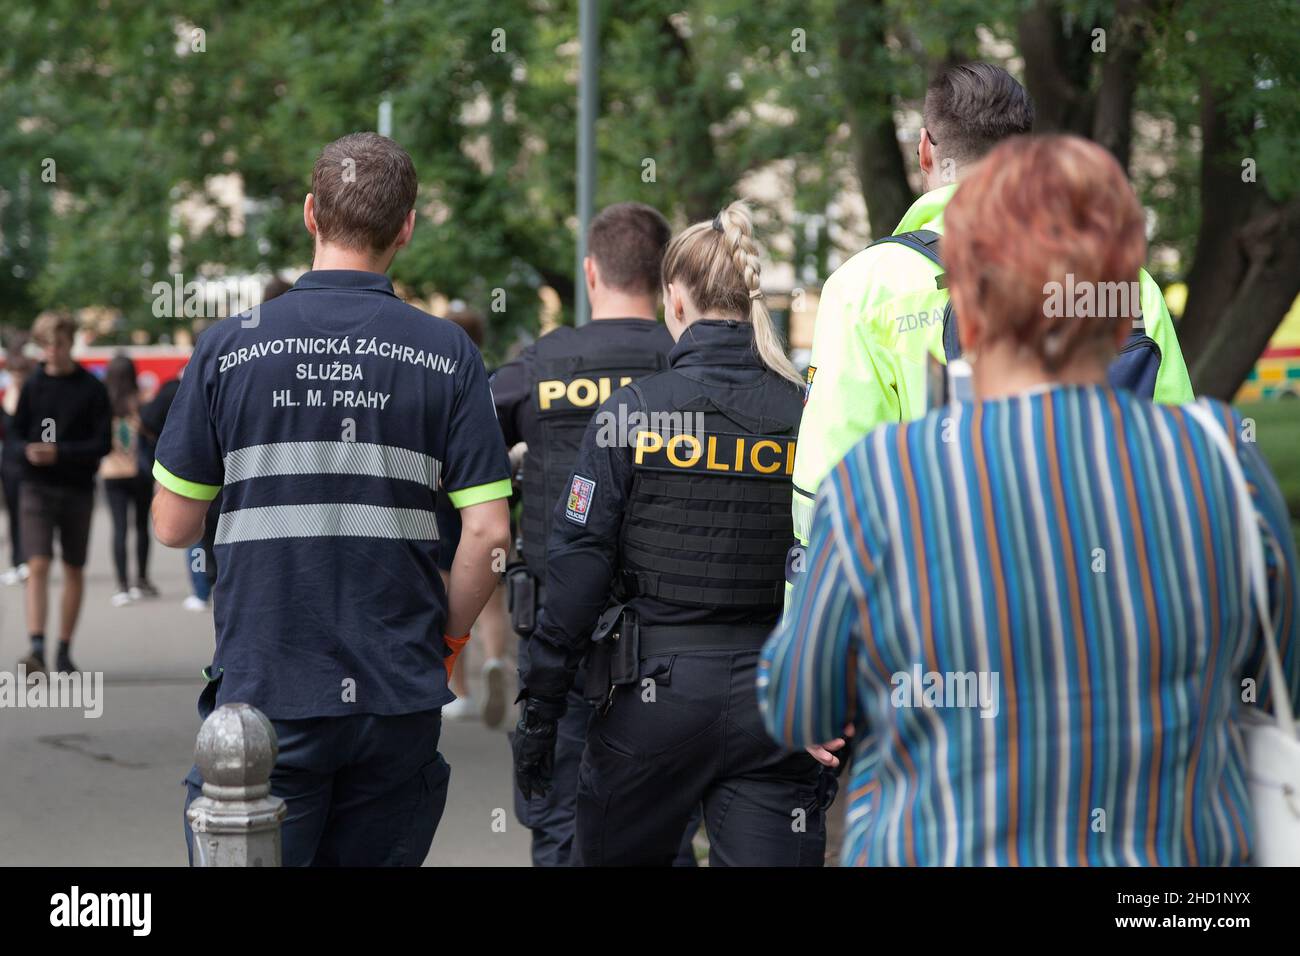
column 881, row 314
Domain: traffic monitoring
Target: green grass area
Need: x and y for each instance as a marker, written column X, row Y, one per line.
column 1277, row 429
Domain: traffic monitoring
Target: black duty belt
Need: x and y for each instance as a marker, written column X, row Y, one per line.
column 661, row 639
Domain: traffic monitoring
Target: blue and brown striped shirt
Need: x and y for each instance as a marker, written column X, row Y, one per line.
column 1036, row 613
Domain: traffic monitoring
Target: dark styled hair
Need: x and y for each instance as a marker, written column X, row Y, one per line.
column 123, row 388
column 364, row 185
column 469, row 320
column 972, row 107
column 627, row 240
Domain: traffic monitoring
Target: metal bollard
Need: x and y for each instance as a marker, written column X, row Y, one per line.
column 236, row 822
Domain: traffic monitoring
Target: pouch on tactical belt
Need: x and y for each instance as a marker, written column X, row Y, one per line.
column 613, row 658
column 521, row 597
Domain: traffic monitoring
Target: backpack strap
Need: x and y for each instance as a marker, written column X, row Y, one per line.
column 635, row 389
column 926, row 242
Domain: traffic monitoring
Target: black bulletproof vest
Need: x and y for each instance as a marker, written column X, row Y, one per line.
column 708, row 523
column 566, row 388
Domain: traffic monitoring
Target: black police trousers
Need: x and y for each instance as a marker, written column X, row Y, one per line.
column 689, row 734
column 550, row 816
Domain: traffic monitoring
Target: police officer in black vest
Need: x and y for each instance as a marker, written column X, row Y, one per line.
column 545, row 398
column 679, row 501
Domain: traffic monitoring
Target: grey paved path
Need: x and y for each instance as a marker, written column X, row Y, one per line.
column 108, row 791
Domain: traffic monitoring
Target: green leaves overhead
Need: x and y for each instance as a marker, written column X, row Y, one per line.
column 140, row 107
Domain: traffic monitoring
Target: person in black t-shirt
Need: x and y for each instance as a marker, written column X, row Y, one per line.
column 63, row 422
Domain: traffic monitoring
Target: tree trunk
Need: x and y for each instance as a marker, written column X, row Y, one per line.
column 1246, row 271
column 1057, row 70
column 861, row 75
column 1112, row 122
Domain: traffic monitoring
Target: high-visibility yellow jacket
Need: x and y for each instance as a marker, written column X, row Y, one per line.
column 880, row 315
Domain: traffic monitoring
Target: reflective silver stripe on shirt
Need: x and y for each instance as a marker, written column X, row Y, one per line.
column 328, row 520
column 331, row 458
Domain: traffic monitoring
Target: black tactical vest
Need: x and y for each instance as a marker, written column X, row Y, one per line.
column 566, row 389
column 708, row 522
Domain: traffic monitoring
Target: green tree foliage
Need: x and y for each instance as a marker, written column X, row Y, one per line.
column 139, row 111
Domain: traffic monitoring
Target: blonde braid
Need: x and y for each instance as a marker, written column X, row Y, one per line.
column 738, row 237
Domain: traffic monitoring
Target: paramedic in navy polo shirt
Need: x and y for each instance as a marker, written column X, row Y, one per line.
column 327, row 419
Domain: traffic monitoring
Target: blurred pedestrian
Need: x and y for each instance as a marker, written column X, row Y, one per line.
column 200, row 567
column 128, row 489
column 63, row 421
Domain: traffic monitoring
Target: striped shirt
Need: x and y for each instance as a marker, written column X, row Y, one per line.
column 1035, row 611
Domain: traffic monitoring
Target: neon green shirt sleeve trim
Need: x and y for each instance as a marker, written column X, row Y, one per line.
column 186, row 489
column 464, row 497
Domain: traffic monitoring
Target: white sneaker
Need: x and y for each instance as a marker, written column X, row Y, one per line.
column 24, row 572
column 10, row 578
column 494, row 705
column 195, row 603
column 120, row 599
column 462, row 708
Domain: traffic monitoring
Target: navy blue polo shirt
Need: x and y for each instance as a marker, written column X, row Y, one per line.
column 327, row 420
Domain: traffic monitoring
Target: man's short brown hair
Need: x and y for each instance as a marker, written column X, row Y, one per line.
column 627, row 240
column 364, row 185
column 972, row 107
column 52, row 324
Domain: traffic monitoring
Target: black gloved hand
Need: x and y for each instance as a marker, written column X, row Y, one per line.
column 534, row 743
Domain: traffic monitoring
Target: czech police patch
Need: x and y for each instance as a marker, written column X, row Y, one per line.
column 807, row 389
column 579, row 503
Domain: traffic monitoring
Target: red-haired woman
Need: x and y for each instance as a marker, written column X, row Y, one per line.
column 1037, row 605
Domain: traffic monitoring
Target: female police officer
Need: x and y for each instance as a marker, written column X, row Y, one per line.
column 678, row 507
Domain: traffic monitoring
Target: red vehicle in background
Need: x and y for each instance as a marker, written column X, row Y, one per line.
column 154, row 364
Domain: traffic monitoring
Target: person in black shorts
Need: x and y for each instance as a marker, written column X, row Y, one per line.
column 63, row 422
